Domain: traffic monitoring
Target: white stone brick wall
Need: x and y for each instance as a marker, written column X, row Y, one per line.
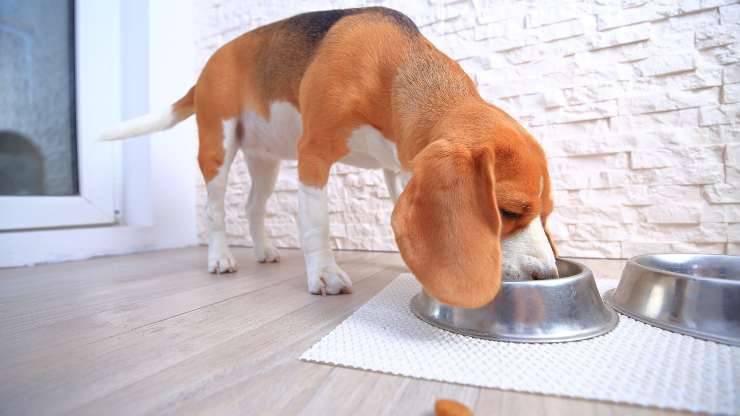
column 637, row 104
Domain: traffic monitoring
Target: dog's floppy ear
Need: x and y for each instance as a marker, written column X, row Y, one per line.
column 447, row 224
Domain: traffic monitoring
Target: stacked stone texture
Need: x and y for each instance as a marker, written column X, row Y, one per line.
column 637, row 104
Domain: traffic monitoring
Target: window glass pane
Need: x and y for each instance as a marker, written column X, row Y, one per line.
column 38, row 152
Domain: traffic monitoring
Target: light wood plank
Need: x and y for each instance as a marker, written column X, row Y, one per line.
column 248, row 357
column 348, row 391
column 137, row 353
column 418, row 397
column 154, row 333
column 79, row 320
column 499, row 402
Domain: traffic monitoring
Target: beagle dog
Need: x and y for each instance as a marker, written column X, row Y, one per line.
column 364, row 87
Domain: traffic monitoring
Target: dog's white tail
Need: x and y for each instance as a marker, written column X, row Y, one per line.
column 150, row 123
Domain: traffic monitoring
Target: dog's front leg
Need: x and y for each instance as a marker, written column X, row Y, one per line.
column 391, row 181
column 324, row 275
column 396, row 182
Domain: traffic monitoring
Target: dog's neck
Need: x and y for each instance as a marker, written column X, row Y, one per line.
column 434, row 99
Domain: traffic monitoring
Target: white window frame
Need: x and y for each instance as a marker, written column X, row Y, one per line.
column 97, row 33
column 152, row 180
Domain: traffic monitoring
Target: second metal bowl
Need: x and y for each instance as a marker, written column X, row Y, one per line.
column 693, row 294
column 557, row 310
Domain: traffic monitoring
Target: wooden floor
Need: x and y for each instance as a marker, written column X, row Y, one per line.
column 155, row 334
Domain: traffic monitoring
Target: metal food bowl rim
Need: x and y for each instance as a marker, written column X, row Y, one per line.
column 668, row 326
column 608, row 298
column 584, row 272
column 611, row 324
column 633, row 260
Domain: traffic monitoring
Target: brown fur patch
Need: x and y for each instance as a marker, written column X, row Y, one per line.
column 367, row 67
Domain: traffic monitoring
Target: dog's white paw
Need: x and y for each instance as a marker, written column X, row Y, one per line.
column 329, row 280
column 267, row 254
column 220, row 260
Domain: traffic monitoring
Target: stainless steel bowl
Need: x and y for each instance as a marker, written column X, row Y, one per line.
column 693, row 294
column 557, row 310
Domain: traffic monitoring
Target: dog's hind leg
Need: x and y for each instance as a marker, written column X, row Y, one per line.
column 218, row 145
column 264, row 173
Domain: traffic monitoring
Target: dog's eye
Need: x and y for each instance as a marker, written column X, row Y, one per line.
column 509, row 215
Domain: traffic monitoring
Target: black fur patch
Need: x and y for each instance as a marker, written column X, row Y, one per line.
column 315, row 25
column 399, row 18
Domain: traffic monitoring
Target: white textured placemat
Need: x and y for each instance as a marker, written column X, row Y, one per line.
column 635, row 363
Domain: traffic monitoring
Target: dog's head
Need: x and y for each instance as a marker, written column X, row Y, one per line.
column 475, row 210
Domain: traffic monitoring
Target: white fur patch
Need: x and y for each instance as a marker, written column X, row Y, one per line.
column 149, row 123
column 528, row 253
column 369, row 149
column 220, row 259
column 313, row 220
column 263, row 174
column 276, row 138
column 405, row 177
column 323, row 273
column 392, row 182
column 542, row 186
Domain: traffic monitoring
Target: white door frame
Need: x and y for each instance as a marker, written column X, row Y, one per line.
column 157, row 175
column 97, row 34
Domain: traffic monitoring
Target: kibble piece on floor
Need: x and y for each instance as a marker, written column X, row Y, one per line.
column 451, row 408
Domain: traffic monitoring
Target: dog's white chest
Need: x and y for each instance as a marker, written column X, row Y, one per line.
column 370, row 150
